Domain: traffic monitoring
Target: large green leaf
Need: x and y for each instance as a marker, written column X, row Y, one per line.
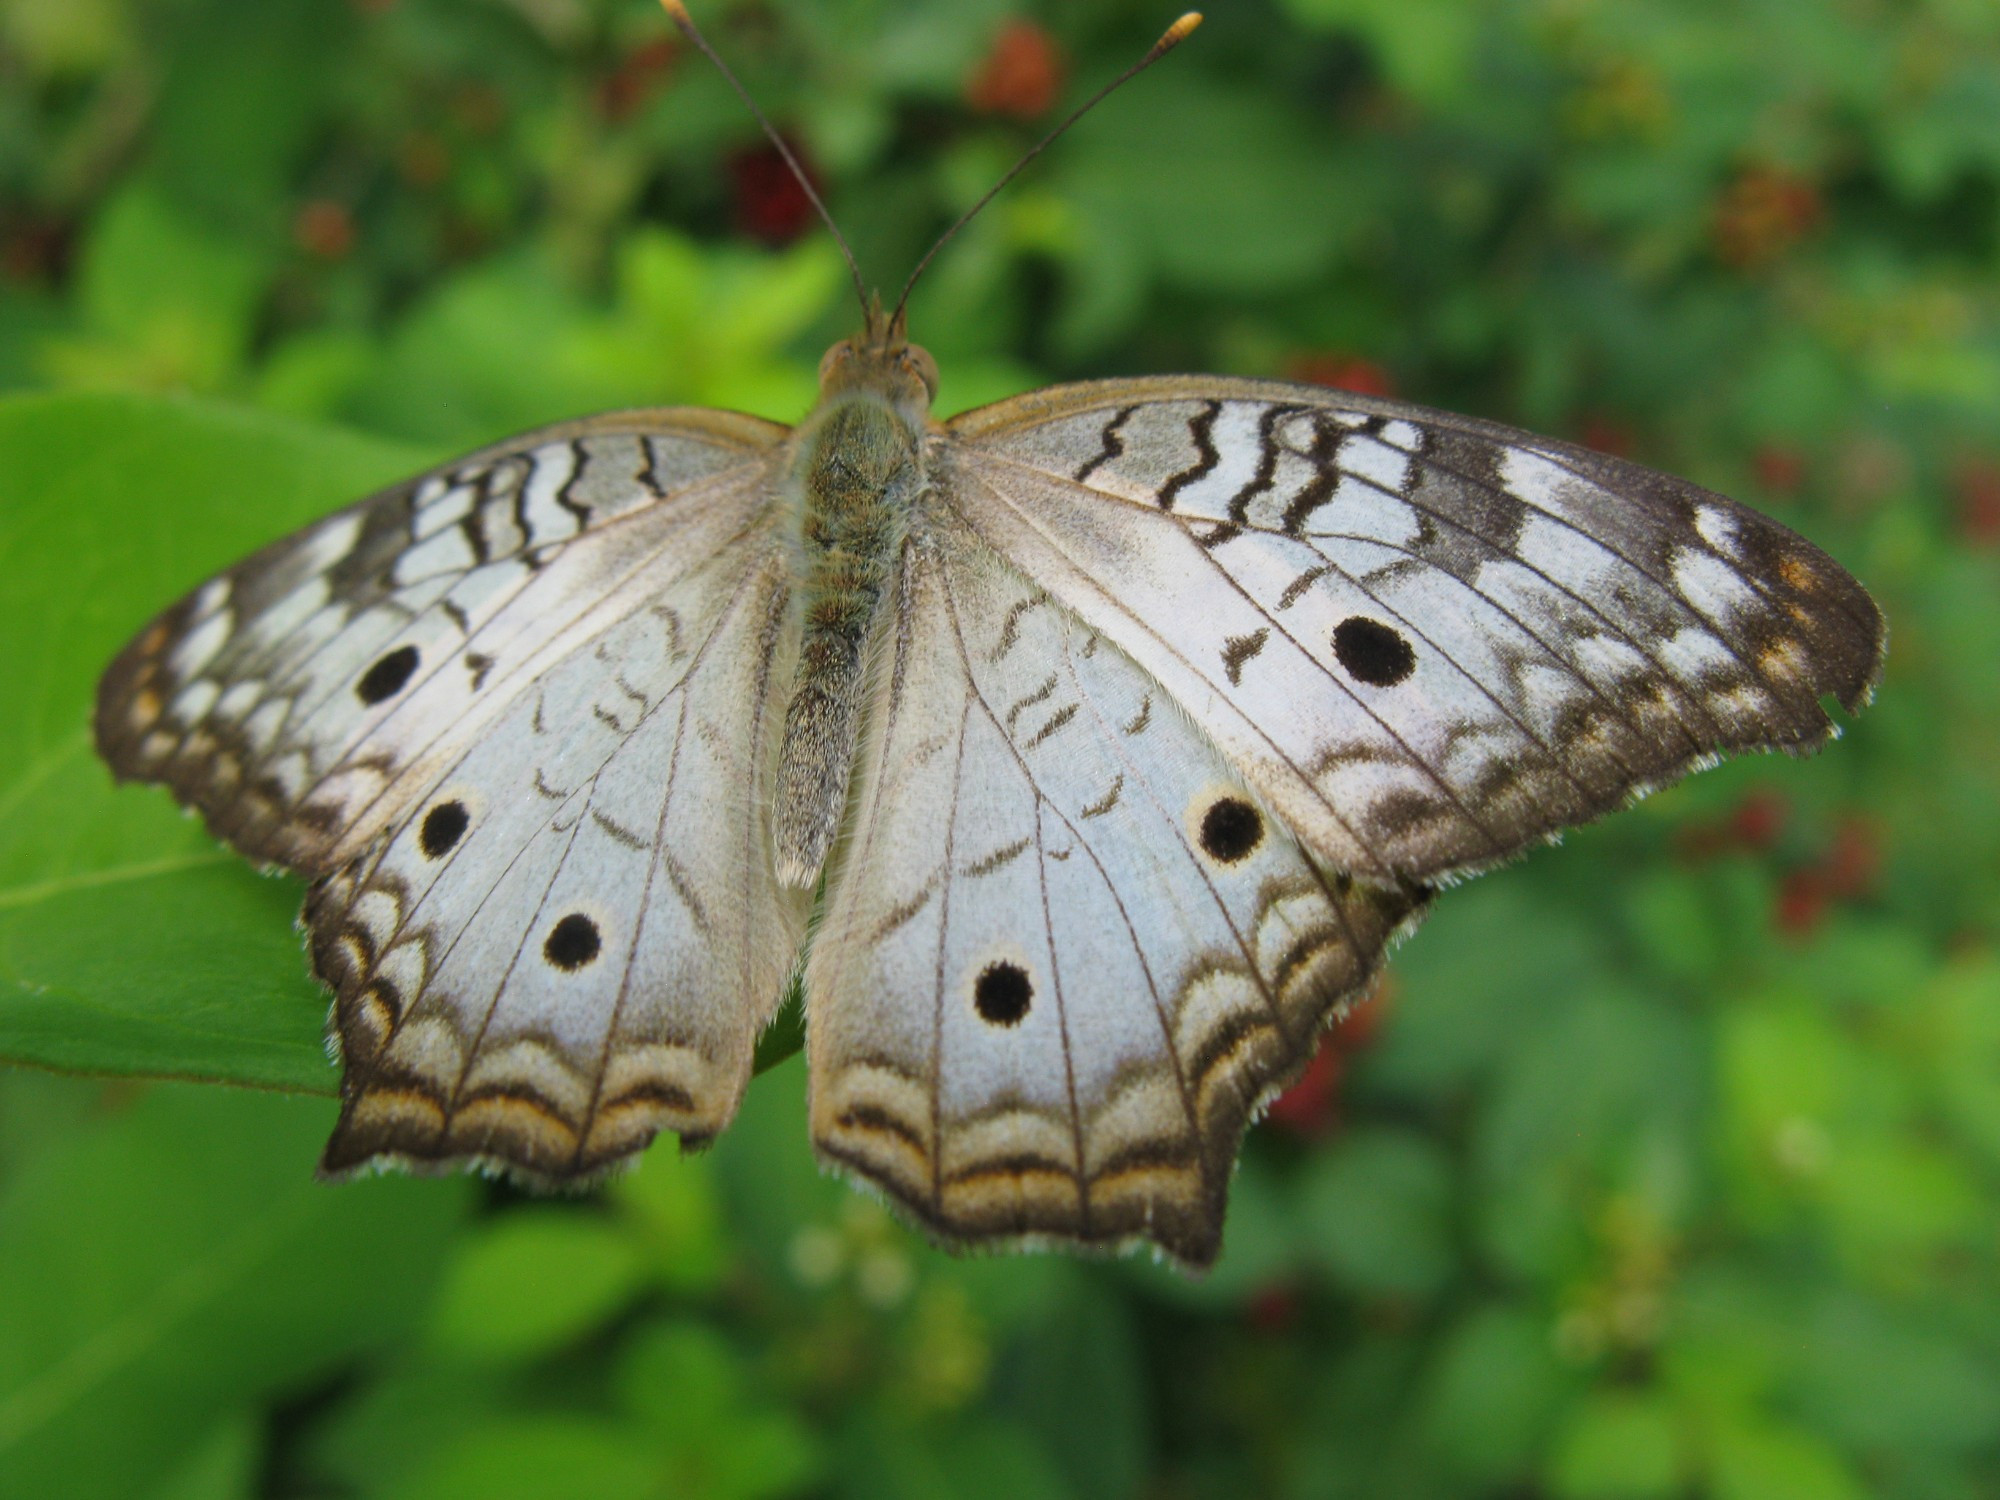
column 129, row 941
column 173, row 1264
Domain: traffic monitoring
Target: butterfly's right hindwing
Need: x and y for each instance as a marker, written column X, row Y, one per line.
column 1067, row 953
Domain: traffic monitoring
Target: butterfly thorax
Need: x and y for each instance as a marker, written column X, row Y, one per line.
column 858, row 467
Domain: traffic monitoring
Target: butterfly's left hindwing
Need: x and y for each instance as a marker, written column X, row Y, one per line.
column 573, row 939
column 1428, row 641
column 1067, row 952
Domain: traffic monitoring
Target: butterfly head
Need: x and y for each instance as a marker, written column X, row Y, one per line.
column 882, row 361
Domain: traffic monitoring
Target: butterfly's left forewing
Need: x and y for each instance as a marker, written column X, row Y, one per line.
column 299, row 698
column 1426, row 640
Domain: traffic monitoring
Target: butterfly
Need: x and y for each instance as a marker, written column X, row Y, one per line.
column 1081, row 756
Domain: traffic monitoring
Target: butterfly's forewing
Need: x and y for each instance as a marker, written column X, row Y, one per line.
column 1067, row 952
column 294, row 698
column 513, row 715
column 1426, row 640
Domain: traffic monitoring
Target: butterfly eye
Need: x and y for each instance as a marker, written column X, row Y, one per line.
column 925, row 368
column 386, row 678
column 1231, row 829
column 572, row 942
column 1002, row 994
column 833, row 359
column 1372, row 652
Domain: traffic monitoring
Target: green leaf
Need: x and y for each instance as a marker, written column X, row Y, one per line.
column 541, row 1457
column 1425, row 46
column 240, row 101
column 1965, row 1001
column 675, row 1212
column 1469, row 984
column 1775, row 1462
column 66, row 37
column 979, row 1459
column 1882, row 1379
column 223, row 1466
column 166, row 302
column 1377, row 1208
column 715, row 1436
column 1492, row 1393
column 529, row 1282
column 1617, row 1446
column 129, row 942
column 1251, row 200
column 1077, row 1381
column 1893, row 1200
column 685, row 327
column 178, row 1261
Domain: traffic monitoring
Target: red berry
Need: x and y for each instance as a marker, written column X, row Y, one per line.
column 1779, row 470
column 1345, row 372
column 770, row 204
column 324, row 228
column 1021, row 75
column 1977, row 487
column 1759, row 819
column 1762, row 214
column 1607, row 434
column 1273, row 1307
column 1306, row 1109
column 1802, row 901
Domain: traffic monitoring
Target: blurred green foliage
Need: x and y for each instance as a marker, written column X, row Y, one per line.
column 1669, row 1165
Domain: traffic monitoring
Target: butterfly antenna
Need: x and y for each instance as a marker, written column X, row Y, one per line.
column 1170, row 39
column 677, row 13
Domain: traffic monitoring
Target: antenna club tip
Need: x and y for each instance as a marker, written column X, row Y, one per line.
column 1180, row 30
column 677, row 11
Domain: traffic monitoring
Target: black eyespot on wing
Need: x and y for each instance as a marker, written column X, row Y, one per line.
column 1002, row 994
column 1372, row 652
column 572, row 943
column 444, row 826
column 1231, row 829
column 386, row 678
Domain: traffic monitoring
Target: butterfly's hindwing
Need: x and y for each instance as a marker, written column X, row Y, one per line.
column 1067, row 952
column 285, row 697
column 572, row 940
column 1428, row 641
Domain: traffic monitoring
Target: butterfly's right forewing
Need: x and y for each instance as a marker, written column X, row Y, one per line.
column 1427, row 640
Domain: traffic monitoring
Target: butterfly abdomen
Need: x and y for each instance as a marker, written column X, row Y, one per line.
column 859, row 470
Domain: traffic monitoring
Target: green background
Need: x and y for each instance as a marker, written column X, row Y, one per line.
column 1666, row 1165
